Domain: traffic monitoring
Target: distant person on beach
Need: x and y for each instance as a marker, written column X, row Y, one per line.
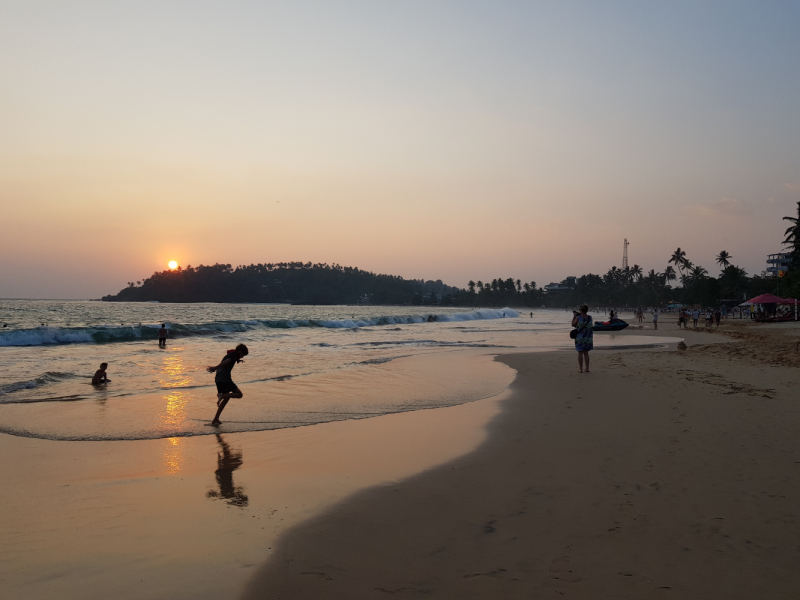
column 226, row 389
column 717, row 316
column 681, row 318
column 655, row 318
column 695, row 317
column 162, row 336
column 584, row 341
column 100, row 376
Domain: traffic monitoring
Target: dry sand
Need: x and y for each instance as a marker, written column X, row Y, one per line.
column 668, row 474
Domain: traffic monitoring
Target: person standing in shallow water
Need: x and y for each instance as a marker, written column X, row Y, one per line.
column 162, row 336
column 584, row 341
column 226, row 389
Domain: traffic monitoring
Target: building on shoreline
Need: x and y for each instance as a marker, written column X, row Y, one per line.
column 778, row 263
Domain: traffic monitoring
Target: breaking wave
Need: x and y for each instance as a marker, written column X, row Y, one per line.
column 39, row 336
column 43, row 379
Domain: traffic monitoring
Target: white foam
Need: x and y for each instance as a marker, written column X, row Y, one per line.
column 38, row 337
column 475, row 315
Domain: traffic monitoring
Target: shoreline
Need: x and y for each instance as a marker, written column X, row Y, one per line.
column 193, row 517
column 672, row 473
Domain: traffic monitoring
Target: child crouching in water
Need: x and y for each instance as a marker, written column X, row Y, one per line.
column 100, row 376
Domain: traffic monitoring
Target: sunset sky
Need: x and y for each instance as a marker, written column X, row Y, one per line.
column 428, row 139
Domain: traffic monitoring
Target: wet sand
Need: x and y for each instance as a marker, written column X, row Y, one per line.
column 660, row 474
column 195, row 517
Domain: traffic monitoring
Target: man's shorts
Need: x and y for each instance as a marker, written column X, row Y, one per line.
column 226, row 387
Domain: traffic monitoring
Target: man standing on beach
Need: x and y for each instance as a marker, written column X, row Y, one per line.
column 655, row 318
column 226, row 389
column 162, row 336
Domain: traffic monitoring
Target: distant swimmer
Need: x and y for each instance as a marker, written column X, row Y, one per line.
column 100, row 376
column 162, row 336
column 531, row 315
column 226, row 389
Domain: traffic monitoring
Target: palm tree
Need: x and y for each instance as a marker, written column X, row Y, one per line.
column 724, row 259
column 480, row 285
column 678, row 259
column 669, row 273
column 613, row 275
column 697, row 273
column 733, row 280
column 471, row 286
column 519, row 286
column 792, row 238
column 636, row 272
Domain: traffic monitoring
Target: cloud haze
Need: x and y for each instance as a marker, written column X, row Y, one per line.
column 440, row 140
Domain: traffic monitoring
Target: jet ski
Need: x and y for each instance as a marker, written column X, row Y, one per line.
column 613, row 325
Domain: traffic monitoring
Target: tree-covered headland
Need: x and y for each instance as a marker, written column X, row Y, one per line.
column 296, row 282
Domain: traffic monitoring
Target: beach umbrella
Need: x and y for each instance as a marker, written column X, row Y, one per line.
column 788, row 301
column 765, row 299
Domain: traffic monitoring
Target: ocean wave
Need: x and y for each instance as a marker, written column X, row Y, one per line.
column 126, row 333
column 379, row 361
column 29, row 384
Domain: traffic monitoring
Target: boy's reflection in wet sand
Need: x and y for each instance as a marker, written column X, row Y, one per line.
column 227, row 462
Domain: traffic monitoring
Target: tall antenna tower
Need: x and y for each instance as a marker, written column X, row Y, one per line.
column 625, row 254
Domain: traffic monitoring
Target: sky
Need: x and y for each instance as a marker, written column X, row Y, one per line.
column 427, row 139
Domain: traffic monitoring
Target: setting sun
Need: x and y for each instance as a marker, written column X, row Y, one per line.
column 173, row 264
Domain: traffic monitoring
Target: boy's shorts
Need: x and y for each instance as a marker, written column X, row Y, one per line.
column 226, row 387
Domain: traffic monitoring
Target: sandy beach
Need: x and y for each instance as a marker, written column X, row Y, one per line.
column 661, row 474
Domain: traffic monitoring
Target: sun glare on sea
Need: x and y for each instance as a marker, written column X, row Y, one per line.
column 173, row 264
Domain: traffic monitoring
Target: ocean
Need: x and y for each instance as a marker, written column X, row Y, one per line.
column 307, row 364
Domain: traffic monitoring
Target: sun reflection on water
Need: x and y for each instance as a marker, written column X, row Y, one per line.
column 173, row 372
column 175, row 410
column 173, row 455
column 173, row 375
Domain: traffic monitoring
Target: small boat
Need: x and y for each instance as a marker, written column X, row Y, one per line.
column 615, row 325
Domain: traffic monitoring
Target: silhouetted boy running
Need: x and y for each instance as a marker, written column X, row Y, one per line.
column 226, row 389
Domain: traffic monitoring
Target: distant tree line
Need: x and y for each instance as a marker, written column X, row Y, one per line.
column 627, row 287
column 295, row 282
column 307, row 283
column 632, row 287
